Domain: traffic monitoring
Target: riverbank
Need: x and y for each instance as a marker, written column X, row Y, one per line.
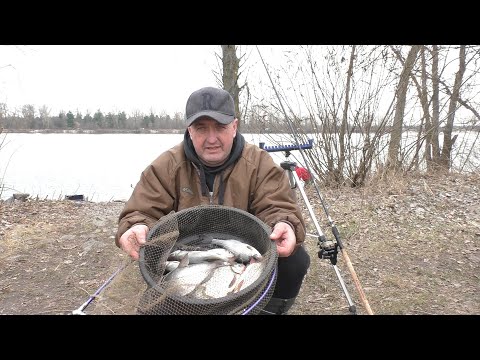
column 414, row 244
column 96, row 131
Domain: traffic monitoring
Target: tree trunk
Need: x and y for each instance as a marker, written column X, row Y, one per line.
column 426, row 112
column 231, row 64
column 343, row 127
column 448, row 141
column 435, row 106
column 401, row 93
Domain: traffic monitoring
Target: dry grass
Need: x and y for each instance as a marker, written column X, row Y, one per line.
column 414, row 243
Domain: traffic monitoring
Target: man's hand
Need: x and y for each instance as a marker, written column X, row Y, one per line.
column 132, row 239
column 285, row 238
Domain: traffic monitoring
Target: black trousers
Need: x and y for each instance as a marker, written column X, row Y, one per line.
column 290, row 273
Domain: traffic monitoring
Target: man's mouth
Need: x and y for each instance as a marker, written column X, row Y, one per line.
column 213, row 148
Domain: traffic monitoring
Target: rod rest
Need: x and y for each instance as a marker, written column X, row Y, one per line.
column 274, row 148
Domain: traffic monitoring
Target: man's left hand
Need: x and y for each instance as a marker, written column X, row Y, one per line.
column 285, row 238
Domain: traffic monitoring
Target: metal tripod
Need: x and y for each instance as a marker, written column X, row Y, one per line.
column 328, row 248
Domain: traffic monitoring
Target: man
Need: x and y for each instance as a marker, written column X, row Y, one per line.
column 214, row 165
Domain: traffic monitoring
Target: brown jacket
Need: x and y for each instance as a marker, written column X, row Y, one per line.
column 254, row 184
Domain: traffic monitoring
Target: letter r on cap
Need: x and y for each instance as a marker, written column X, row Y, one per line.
column 207, row 98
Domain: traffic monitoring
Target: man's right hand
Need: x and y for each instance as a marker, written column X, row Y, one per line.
column 132, row 239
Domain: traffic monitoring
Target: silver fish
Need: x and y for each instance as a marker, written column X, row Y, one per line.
column 184, row 279
column 171, row 265
column 195, row 257
column 242, row 251
column 251, row 273
column 222, row 282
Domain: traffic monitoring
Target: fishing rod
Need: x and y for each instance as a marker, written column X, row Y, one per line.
column 81, row 308
column 328, row 248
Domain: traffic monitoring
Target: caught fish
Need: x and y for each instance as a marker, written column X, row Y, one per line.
column 222, row 282
column 242, row 251
column 251, row 273
column 195, row 257
column 184, row 279
column 171, row 265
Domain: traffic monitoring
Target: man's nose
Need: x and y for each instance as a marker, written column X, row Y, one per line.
column 212, row 134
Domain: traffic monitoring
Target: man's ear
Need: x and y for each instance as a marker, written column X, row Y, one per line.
column 235, row 126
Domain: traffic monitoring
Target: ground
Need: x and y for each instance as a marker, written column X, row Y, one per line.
column 413, row 246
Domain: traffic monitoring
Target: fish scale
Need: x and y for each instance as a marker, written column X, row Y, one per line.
column 222, row 282
column 242, row 251
column 184, row 280
column 195, row 257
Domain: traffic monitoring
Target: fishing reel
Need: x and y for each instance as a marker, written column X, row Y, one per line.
column 328, row 250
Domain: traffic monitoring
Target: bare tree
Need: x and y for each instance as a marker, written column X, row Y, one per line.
column 45, row 116
column 3, row 114
column 343, row 127
column 435, row 106
column 230, row 74
column 318, row 80
column 425, row 122
column 136, row 117
column 28, row 112
column 448, row 141
column 401, row 95
column 231, row 64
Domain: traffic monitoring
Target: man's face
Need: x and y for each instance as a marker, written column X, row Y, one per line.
column 212, row 141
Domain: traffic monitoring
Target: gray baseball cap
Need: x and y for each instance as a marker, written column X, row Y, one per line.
column 212, row 102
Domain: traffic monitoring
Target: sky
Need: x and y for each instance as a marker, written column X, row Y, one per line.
column 107, row 77
column 115, row 78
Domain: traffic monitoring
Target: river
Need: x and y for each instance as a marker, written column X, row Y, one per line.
column 102, row 167
column 106, row 167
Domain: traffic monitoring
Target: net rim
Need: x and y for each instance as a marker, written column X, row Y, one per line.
column 262, row 281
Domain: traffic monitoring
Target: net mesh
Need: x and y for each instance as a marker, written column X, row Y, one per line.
column 122, row 295
column 207, row 260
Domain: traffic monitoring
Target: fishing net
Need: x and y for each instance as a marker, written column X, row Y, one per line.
column 212, row 285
